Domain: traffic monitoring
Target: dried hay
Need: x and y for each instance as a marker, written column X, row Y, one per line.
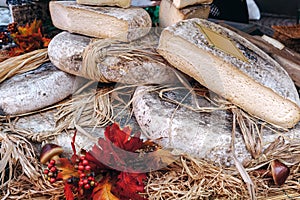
column 137, row 51
column 88, row 109
column 23, row 187
column 186, row 178
column 190, row 178
column 23, row 63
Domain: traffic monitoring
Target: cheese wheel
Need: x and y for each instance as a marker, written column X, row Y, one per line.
column 232, row 67
column 102, row 22
column 169, row 14
column 131, row 63
column 201, row 134
column 185, row 3
column 36, row 89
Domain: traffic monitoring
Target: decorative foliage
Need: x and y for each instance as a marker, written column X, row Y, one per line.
column 26, row 38
column 29, row 38
column 103, row 191
column 107, row 172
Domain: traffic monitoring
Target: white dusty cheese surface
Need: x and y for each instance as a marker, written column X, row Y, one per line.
column 35, row 89
column 258, row 84
column 115, row 63
column 201, row 134
column 102, row 22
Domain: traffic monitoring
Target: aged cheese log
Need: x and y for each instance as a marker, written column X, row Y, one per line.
column 102, row 22
column 185, row 3
column 119, row 3
column 131, row 63
column 169, row 14
column 35, row 89
column 201, row 134
column 234, row 68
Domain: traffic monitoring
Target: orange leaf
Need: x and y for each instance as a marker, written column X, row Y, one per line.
column 66, row 168
column 103, row 191
column 46, row 41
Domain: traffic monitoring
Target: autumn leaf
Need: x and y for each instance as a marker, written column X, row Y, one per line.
column 28, row 38
column 68, row 192
column 129, row 185
column 116, row 149
column 121, row 138
column 46, row 42
column 103, row 191
column 66, row 169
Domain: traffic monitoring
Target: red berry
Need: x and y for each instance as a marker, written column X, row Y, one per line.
column 87, row 168
column 46, row 171
column 81, row 167
column 87, row 186
column 50, row 166
column 82, row 158
column 91, row 178
column 52, row 162
column 85, row 181
column 52, row 180
column 85, row 162
column 82, row 175
column 53, row 169
column 80, row 183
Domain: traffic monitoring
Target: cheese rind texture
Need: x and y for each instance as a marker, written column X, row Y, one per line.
column 101, row 22
column 133, row 62
column 258, row 85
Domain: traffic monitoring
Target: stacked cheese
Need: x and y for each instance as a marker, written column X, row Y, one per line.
column 112, row 44
column 173, row 11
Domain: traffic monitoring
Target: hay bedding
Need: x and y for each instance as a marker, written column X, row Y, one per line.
column 186, row 178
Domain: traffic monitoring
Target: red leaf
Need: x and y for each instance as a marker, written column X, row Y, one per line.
column 122, row 138
column 117, row 149
column 103, row 191
column 68, row 192
column 129, row 185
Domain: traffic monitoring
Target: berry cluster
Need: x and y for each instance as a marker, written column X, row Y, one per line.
column 51, row 172
column 86, row 177
column 12, row 27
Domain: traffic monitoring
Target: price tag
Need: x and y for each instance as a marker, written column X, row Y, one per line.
column 223, row 43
